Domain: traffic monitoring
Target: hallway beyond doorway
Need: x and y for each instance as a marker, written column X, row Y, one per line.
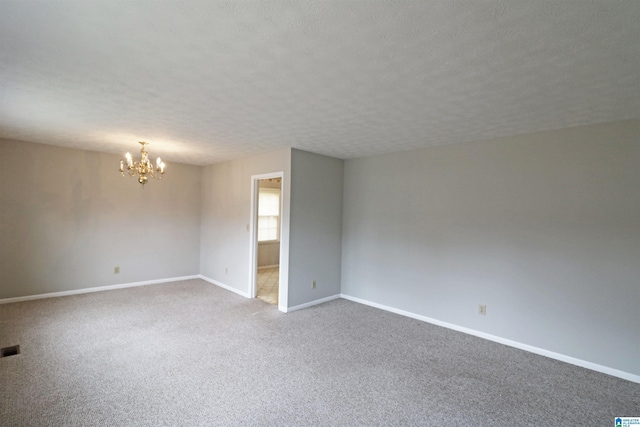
column 268, row 284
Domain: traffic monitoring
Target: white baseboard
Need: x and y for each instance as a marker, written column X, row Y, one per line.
column 223, row 286
column 96, row 289
column 262, row 267
column 309, row 304
column 281, row 308
column 557, row 356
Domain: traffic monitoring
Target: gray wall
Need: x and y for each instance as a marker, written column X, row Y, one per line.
column 67, row 218
column 226, row 211
column 544, row 229
column 316, row 227
column 268, row 253
column 311, row 226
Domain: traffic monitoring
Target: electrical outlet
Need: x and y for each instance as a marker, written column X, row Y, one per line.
column 314, row 285
column 116, row 270
column 482, row 309
column 226, row 270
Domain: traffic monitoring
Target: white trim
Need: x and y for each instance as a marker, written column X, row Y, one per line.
column 253, row 238
column 223, row 286
column 96, row 289
column 309, row 304
column 557, row 356
column 263, row 267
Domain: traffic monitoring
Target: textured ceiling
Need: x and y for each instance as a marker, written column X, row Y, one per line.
column 207, row 81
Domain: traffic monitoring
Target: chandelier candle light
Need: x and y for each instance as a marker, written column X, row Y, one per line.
column 143, row 168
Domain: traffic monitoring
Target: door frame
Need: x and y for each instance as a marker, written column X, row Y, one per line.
column 253, row 239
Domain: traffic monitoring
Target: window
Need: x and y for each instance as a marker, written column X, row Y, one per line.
column 268, row 214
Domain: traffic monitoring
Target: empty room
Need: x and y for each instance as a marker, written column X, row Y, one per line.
column 320, row 213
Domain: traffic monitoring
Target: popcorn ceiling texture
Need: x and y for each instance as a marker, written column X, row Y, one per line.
column 211, row 81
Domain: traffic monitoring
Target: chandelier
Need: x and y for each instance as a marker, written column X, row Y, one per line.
column 143, row 168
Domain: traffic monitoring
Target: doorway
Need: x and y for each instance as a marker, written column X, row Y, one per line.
column 266, row 237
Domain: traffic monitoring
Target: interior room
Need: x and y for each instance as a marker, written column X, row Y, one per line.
column 268, row 239
column 320, row 213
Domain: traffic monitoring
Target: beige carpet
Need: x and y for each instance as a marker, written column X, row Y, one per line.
column 192, row 354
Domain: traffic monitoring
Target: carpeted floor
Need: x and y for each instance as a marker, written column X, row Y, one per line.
column 191, row 354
